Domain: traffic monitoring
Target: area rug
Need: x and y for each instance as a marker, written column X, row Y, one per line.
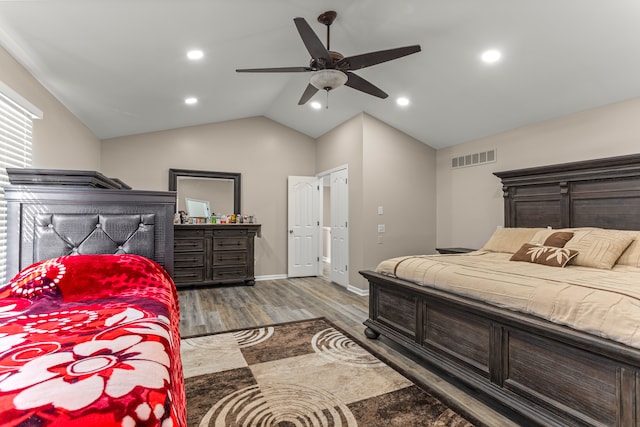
column 306, row 373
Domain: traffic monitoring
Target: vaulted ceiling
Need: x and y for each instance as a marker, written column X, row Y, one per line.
column 121, row 67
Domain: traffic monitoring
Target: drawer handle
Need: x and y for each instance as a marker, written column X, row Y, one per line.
column 186, row 275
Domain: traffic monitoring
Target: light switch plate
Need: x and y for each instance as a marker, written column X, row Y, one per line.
column 380, row 210
column 380, row 228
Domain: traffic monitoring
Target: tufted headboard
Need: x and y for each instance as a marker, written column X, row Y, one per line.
column 71, row 234
column 45, row 221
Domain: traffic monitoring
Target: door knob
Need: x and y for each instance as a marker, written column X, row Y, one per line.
column 290, row 231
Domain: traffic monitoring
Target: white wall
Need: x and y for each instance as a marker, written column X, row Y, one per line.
column 60, row 140
column 469, row 200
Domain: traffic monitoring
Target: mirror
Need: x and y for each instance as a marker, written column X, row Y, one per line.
column 220, row 190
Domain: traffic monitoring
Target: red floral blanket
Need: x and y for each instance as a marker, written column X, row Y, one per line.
column 91, row 340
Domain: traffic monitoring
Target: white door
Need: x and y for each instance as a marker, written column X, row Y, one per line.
column 340, row 227
column 304, row 226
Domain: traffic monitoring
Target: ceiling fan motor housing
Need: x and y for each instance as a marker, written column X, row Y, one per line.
column 321, row 63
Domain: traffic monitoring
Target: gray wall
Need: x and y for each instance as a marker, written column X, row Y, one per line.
column 263, row 151
column 60, row 140
column 386, row 168
column 469, row 200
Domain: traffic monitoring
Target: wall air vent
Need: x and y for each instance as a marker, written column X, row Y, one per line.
column 474, row 159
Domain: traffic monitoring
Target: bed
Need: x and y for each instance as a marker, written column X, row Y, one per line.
column 528, row 337
column 89, row 317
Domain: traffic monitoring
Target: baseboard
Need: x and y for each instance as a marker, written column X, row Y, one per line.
column 358, row 291
column 271, row 277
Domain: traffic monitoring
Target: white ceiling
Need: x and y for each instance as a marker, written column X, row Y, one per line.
column 121, row 66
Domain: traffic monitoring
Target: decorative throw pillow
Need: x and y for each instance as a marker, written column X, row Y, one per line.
column 598, row 248
column 545, row 255
column 509, row 239
column 558, row 239
column 552, row 237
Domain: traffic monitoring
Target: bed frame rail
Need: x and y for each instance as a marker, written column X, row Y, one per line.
column 552, row 375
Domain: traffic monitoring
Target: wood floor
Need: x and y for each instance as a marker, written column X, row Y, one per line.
column 216, row 309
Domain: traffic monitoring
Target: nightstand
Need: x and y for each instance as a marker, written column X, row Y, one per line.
column 454, row 250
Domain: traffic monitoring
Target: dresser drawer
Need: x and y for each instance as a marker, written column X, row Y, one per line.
column 230, row 258
column 188, row 233
column 229, row 243
column 231, row 274
column 187, row 260
column 188, row 245
column 188, row 275
column 231, row 232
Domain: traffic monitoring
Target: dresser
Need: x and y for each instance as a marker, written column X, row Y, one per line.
column 210, row 254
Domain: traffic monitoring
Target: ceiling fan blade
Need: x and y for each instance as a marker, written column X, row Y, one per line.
column 357, row 62
column 275, row 70
column 312, row 42
column 356, row 82
column 308, row 93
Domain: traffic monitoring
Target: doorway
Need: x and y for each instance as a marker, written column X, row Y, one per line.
column 335, row 225
column 332, row 212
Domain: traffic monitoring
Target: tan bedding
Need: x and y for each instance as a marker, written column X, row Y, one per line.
column 602, row 302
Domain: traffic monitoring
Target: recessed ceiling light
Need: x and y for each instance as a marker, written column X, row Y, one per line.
column 195, row 54
column 402, row 101
column 491, row 56
column 316, row 105
column 190, row 101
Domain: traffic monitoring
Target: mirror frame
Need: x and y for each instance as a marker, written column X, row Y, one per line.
column 235, row 177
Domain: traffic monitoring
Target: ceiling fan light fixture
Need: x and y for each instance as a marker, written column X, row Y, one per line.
column 328, row 79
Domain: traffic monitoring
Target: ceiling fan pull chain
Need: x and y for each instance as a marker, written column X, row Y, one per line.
column 327, row 99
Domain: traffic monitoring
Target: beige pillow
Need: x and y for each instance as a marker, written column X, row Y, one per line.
column 597, row 247
column 545, row 255
column 509, row 239
column 631, row 255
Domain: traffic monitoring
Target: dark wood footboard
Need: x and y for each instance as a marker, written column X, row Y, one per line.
column 550, row 374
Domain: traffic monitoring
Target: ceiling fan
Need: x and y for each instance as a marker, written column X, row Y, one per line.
column 331, row 69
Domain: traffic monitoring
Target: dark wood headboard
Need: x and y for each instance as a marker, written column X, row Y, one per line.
column 601, row 193
column 44, row 221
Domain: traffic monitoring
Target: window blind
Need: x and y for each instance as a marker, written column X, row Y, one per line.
column 16, row 124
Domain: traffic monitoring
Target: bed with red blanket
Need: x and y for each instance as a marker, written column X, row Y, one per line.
column 90, row 340
column 89, row 317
